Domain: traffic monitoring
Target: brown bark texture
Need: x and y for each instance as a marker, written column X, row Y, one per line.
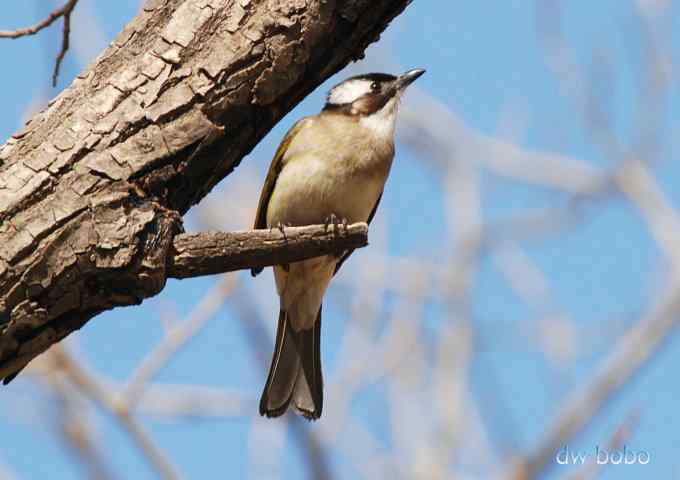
column 93, row 189
column 208, row 253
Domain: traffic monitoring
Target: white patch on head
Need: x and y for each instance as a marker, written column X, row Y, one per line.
column 349, row 91
column 382, row 122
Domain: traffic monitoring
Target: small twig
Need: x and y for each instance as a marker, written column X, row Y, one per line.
column 210, row 253
column 146, row 444
column 175, row 339
column 24, row 32
column 632, row 352
column 65, row 12
column 91, row 387
column 618, row 439
column 65, row 39
column 193, row 402
column 75, row 429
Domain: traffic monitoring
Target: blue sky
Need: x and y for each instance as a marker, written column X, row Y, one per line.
column 484, row 63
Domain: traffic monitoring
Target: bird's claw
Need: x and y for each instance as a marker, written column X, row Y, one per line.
column 281, row 228
column 333, row 219
column 330, row 220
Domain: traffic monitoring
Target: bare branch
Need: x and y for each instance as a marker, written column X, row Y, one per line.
column 97, row 391
column 51, row 18
column 618, row 438
column 631, row 354
column 65, row 39
column 194, row 401
column 146, row 443
column 65, row 12
column 176, row 338
column 210, row 253
column 74, row 427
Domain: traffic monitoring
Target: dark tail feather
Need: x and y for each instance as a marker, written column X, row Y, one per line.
column 295, row 372
column 308, row 393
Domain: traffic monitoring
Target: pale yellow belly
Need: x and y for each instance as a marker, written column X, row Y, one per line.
column 309, row 190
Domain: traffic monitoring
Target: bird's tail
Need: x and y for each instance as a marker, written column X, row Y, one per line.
column 295, row 372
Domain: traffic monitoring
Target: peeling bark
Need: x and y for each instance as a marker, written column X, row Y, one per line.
column 93, row 188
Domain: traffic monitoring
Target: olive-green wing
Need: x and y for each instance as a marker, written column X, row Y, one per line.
column 270, row 181
column 347, row 253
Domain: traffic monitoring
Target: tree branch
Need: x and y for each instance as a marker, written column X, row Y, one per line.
column 118, row 408
column 65, row 39
column 631, row 354
column 175, row 338
column 201, row 254
column 51, row 18
column 65, row 12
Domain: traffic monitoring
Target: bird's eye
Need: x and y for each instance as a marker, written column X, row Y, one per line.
column 375, row 87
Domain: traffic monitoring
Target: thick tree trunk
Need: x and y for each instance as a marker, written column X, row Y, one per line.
column 93, row 189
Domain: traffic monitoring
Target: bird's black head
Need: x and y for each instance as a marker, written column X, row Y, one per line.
column 369, row 93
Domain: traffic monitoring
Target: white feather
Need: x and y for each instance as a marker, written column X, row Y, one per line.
column 382, row 122
column 349, row 91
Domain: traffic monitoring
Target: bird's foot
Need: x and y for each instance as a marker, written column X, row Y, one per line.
column 333, row 219
column 281, row 227
column 330, row 220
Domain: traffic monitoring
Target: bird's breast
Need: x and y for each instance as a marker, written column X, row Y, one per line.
column 313, row 185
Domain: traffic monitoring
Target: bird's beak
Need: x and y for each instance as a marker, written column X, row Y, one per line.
column 408, row 78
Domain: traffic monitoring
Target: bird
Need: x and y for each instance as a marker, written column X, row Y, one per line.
column 329, row 168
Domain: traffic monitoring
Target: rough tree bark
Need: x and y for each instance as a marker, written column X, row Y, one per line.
column 92, row 190
column 199, row 254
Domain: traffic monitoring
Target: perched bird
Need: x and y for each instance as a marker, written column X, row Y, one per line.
column 330, row 167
